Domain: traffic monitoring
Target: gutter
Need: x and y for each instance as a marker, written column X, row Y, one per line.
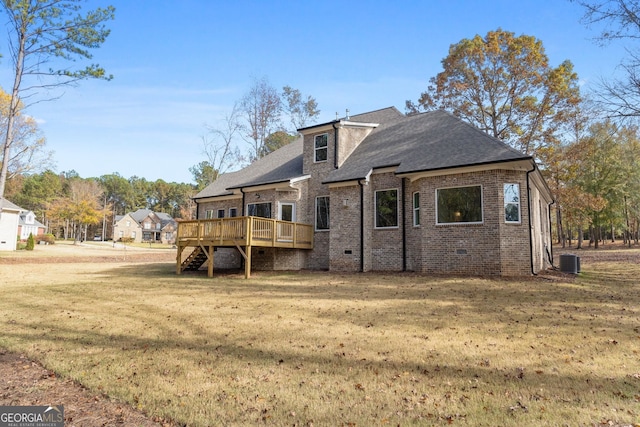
column 550, row 253
column 529, row 215
column 404, row 225
column 361, row 226
column 335, row 145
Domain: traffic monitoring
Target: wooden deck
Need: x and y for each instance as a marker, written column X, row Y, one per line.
column 242, row 233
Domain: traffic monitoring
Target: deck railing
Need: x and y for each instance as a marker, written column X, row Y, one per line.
column 245, row 231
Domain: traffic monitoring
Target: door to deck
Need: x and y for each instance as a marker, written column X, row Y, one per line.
column 286, row 212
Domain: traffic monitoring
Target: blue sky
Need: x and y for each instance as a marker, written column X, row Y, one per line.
column 179, row 65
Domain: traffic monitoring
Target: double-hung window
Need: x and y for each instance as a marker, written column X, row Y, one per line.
column 512, row 203
column 220, row 213
column 322, row 213
column 386, row 208
column 320, row 147
column 416, row 209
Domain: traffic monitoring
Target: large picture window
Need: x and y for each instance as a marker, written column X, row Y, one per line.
column 262, row 210
column 512, row 203
column 321, row 147
column 386, row 208
column 459, row 205
column 322, row 213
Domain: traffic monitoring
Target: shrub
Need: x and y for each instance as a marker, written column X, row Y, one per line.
column 126, row 239
column 49, row 239
column 31, row 242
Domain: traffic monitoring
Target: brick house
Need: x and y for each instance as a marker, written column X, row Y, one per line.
column 145, row 225
column 387, row 192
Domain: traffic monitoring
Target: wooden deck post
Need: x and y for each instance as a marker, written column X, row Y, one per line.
column 210, row 269
column 247, row 262
column 179, row 259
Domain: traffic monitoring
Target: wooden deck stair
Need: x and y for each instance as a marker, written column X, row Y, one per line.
column 195, row 260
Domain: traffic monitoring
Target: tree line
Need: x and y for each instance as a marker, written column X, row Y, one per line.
column 79, row 208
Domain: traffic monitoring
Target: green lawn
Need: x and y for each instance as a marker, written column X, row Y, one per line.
column 329, row 349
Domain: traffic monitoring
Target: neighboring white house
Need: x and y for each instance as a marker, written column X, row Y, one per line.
column 9, row 220
column 28, row 224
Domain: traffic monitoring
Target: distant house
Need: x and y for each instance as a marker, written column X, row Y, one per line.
column 145, row 225
column 28, row 224
column 9, row 220
column 382, row 191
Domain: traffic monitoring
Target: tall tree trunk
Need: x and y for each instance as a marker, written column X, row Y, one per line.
column 559, row 229
column 580, row 237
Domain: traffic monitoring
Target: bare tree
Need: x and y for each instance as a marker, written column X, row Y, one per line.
column 619, row 20
column 220, row 149
column 260, row 107
column 300, row 110
column 40, row 32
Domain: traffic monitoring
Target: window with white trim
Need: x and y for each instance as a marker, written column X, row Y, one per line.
column 262, row 210
column 416, row 209
column 320, row 147
column 220, row 213
column 208, row 214
column 322, row 213
column 512, row 203
column 233, row 212
column 386, row 204
column 459, row 205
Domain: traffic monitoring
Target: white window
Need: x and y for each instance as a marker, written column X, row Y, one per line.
column 322, row 213
column 512, row 203
column 262, row 210
column 208, row 214
column 459, row 205
column 133, row 234
column 147, row 226
column 320, row 145
column 386, row 215
column 416, row 209
column 220, row 213
column 128, row 223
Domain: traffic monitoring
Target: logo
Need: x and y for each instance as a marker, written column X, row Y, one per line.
column 32, row 416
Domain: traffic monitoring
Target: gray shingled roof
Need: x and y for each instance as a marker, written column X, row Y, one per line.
column 141, row 214
column 5, row 204
column 423, row 142
column 279, row 166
